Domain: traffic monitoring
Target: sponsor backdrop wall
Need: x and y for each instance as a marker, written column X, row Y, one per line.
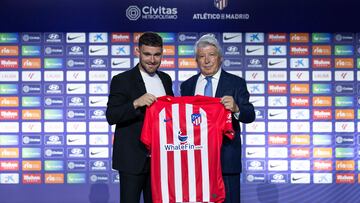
column 55, row 71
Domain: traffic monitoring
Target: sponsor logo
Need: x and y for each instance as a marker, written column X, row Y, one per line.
column 9, row 63
column 76, row 114
column 321, row 50
column 120, row 37
column 322, row 101
column 344, row 88
column 277, row 50
column 8, row 89
column 299, row 50
column 9, row 165
column 54, row 178
column 300, row 178
column 76, row 165
column 345, row 178
column 120, row 50
column 99, row 62
column 52, row 165
column 98, row 50
column 278, row 139
column 255, row 75
column 31, row 62
column 75, row 50
column 31, row 50
column 54, row 37
column 344, row 50
column 232, row 37
column 31, row 178
column 99, row 165
column 344, row 153
column 277, row 37
column 277, row 152
column 76, row 152
column 53, row 152
column 255, row 139
column 9, row 38
column 167, row 63
column 76, row 178
column 9, row 50
column 169, row 50
column 321, row 63
column 319, row 152
column 31, row 37
column 344, row 114
column 255, row 165
column 322, row 165
column 322, row 139
column 98, row 37
column 31, row 140
column 321, row 88
column 254, row 37
column 254, row 50
column 31, row 153
column 74, row 37
column 31, row 114
column 300, row 152
column 75, row 63
column 255, row 178
column 187, row 63
column 321, row 37
column 299, row 76
column 322, row 114
column 344, row 63
column 300, row 114
column 299, row 88
column 54, row 140
column 255, row 62
column 31, row 101
column 187, row 37
column 9, row 101
column 256, row 88
column 299, row 37
column 344, row 101
column 277, row 75
column 299, row 101
column 31, row 165
column 344, row 37
column 277, row 62
column 76, row 101
column 53, row 50
column 299, row 63
column 229, row 50
column 300, row 140
column 54, row 88
column 9, row 114
column 9, row 178
column 278, row 178
column 344, row 140
column 232, row 63
column 277, row 88
column 300, row 165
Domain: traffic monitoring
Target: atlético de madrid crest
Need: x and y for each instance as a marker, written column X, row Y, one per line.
column 220, row 4
column 196, row 118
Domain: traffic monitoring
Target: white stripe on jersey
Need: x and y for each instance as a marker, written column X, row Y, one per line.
column 163, row 158
column 191, row 154
column 177, row 154
column 204, row 156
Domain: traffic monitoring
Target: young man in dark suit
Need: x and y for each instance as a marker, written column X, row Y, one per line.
column 215, row 82
column 130, row 93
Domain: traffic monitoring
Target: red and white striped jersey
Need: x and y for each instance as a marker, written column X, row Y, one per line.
column 184, row 136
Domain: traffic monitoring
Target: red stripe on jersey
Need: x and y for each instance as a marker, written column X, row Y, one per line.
column 170, row 154
column 184, row 154
column 198, row 165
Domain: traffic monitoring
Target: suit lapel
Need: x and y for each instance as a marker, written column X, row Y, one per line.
column 140, row 85
column 221, row 84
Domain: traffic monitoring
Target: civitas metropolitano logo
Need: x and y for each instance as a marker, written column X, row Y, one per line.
column 134, row 13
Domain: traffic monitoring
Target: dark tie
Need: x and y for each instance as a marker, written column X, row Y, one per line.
column 208, row 87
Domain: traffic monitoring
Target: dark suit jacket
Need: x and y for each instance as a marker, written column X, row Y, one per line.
column 229, row 85
column 129, row 153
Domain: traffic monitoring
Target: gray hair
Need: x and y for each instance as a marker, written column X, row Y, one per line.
column 207, row 40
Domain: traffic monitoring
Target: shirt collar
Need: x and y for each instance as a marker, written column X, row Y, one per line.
column 215, row 76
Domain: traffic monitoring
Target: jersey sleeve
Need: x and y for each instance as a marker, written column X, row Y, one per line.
column 146, row 129
column 228, row 130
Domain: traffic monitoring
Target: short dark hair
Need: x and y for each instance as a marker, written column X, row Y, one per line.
column 150, row 39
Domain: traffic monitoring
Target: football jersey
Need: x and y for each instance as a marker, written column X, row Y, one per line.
column 184, row 136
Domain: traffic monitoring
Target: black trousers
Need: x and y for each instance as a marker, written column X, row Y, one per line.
column 132, row 185
column 232, row 188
